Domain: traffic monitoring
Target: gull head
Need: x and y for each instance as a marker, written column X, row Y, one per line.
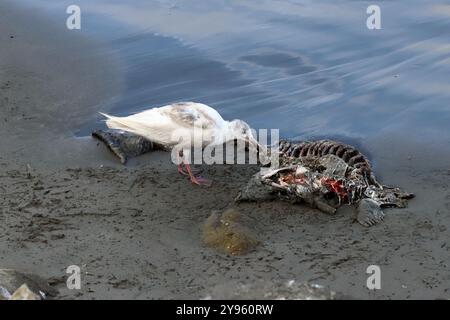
column 240, row 130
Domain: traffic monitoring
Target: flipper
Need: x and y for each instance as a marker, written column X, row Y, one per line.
column 369, row 213
column 126, row 145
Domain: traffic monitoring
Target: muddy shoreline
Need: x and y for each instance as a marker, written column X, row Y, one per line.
column 136, row 231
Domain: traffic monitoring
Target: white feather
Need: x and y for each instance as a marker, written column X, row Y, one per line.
column 159, row 124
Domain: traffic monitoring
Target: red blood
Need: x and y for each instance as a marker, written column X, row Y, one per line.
column 335, row 186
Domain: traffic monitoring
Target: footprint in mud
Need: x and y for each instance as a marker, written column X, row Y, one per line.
column 40, row 228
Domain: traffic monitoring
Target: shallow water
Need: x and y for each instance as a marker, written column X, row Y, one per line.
column 309, row 68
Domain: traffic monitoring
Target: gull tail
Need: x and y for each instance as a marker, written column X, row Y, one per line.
column 128, row 124
column 118, row 123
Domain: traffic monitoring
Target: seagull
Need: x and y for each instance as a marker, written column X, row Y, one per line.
column 195, row 123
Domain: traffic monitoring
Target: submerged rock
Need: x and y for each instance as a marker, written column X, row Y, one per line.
column 228, row 233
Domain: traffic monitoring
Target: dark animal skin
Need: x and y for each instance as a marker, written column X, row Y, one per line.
column 126, row 145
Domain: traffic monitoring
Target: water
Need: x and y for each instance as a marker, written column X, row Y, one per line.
column 309, row 68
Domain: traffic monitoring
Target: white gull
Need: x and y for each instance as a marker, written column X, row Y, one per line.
column 195, row 123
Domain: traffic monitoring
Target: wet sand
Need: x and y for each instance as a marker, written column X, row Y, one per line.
column 136, row 231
